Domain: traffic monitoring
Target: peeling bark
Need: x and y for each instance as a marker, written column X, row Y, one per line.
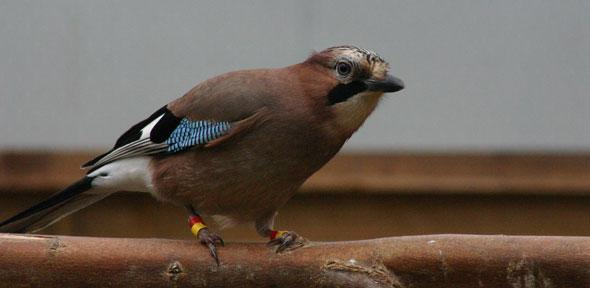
column 414, row 261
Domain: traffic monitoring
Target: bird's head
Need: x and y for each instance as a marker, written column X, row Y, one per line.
column 353, row 80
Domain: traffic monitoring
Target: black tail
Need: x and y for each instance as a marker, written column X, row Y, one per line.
column 53, row 208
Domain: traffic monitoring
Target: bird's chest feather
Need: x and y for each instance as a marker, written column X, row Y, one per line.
column 247, row 178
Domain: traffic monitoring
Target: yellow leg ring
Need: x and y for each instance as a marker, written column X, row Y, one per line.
column 197, row 227
column 276, row 234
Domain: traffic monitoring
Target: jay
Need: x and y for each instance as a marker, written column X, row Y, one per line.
column 235, row 147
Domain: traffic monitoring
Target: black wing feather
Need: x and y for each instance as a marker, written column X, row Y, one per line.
column 134, row 133
column 160, row 132
column 164, row 127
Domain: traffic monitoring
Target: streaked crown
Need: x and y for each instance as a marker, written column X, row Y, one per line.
column 362, row 62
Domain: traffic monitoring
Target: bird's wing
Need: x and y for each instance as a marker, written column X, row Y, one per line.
column 165, row 133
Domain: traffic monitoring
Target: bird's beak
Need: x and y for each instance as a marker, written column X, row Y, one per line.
column 387, row 84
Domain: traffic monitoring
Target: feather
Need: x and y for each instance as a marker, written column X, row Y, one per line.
column 224, row 222
column 54, row 208
column 161, row 133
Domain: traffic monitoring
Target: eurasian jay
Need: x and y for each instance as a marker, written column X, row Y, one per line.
column 235, row 147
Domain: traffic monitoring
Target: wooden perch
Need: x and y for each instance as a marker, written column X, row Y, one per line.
column 414, row 261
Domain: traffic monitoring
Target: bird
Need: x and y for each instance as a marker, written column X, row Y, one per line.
column 236, row 147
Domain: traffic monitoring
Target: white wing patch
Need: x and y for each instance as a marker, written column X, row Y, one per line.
column 162, row 132
column 142, row 146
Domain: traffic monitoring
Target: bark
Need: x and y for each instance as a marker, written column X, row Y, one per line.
column 413, row 261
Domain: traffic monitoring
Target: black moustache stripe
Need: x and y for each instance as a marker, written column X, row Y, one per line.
column 342, row 92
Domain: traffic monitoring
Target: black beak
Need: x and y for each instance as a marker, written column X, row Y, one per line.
column 389, row 84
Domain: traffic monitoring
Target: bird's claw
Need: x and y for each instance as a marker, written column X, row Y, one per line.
column 209, row 239
column 287, row 242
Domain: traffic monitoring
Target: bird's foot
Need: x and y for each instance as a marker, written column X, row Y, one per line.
column 206, row 237
column 286, row 241
column 210, row 239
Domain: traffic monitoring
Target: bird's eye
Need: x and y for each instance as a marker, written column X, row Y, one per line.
column 344, row 68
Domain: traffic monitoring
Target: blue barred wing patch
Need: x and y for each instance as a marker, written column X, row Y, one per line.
column 195, row 133
column 162, row 132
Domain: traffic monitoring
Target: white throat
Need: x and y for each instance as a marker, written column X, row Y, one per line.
column 352, row 113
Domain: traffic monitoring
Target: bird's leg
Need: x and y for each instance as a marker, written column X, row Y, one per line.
column 284, row 240
column 199, row 229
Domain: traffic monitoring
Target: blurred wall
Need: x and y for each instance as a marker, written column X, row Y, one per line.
column 480, row 75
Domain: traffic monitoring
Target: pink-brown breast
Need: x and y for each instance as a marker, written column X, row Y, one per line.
column 257, row 171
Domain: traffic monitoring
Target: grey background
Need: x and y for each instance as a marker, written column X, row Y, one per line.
column 480, row 75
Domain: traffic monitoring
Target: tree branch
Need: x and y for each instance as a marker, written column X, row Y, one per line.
column 413, row 261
